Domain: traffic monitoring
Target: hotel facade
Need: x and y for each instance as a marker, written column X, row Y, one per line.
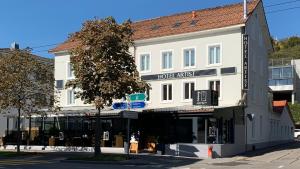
column 208, row 72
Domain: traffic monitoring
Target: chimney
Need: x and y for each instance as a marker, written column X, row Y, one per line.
column 193, row 15
column 14, row 46
column 245, row 9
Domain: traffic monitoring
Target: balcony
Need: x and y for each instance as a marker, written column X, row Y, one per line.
column 281, row 78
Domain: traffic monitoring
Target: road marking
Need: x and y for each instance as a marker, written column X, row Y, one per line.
column 281, row 166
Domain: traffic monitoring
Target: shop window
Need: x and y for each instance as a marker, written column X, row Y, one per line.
column 188, row 88
column 167, row 92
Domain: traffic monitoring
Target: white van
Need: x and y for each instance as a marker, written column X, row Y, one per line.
column 297, row 134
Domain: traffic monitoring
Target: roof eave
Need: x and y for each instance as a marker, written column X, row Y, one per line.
column 191, row 34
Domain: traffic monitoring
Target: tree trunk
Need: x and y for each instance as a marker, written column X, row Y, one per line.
column 29, row 131
column 19, row 131
column 98, row 133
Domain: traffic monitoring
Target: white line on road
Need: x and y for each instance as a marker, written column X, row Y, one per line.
column 281, row 166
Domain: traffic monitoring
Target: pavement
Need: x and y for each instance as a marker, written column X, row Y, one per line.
column 284, row 156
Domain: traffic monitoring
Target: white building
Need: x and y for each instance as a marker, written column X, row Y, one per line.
column 216, row 49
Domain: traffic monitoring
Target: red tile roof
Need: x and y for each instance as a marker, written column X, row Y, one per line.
column 281, row 103
column 204, row 19
column 278, row 106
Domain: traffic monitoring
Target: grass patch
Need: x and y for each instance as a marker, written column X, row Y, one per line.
column 15, row 154
column 102, row 157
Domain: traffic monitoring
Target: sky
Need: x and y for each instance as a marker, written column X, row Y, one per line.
column 40, row 24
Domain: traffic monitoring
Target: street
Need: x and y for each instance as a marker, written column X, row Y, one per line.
column 286, row 156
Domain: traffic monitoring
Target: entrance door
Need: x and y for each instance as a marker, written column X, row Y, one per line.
column 184, row 131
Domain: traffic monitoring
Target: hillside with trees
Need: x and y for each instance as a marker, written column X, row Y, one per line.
column 288, row 48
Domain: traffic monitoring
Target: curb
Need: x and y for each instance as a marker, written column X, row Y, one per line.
column 106, row 162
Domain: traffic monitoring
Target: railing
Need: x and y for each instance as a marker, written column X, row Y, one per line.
column 280, row 62
column 280, row 82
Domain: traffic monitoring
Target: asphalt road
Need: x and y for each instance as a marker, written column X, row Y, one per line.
column 283, row 157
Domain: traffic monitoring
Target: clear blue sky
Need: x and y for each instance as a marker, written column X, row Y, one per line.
column 42, row 22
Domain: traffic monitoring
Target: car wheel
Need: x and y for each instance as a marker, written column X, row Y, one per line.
column 298, row 137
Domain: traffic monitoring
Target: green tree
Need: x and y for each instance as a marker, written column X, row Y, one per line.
column 27, row 84
column 103, row 66
column 295, row 109
column 288, row 48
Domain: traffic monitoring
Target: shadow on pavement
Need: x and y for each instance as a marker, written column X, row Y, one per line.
column 287, row 146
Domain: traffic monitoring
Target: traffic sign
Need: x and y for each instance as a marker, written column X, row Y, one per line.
column 137, row 97
column 137, row 105
column 120, row 105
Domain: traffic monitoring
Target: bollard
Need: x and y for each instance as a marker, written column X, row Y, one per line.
column 210, row 152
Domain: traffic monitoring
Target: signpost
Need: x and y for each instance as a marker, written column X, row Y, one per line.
column 120, row 106
column 137, row 97
column 135, row 101
column 137, row 105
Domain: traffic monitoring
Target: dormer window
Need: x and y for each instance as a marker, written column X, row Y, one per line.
column 177, row 24
column 155, row 27
column 193, row 22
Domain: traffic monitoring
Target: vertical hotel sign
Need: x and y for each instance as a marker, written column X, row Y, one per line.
column 245, row 62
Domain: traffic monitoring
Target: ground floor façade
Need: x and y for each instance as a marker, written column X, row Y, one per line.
column 179, row 131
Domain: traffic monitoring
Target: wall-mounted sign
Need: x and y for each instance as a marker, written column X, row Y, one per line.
column 205, row 97
column 245, row 62
column 228, row 71
column 181, row 75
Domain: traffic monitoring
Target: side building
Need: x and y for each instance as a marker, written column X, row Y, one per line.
column 208, row 70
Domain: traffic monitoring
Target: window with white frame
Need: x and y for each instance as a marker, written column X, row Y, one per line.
column 166, row 60
column 215, row 85
column 189, row 57
column 70, row 97
column 145, row 62
column 188, row 88
column 70, row 70
column 214, row 54
column 167, row 92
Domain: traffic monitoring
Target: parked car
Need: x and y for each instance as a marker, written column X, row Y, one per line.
column 297, row 134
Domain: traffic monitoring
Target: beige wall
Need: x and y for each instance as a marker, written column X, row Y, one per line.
column 230, row 42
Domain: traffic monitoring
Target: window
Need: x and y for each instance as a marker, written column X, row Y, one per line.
column 167, row 60
column 71, row 97
column 188, row 88
column 214, row 54
column 70, row 70
column 59, row 84
column 145, row 62
column 167, row 92
column 189, row 57
column 215, row 85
